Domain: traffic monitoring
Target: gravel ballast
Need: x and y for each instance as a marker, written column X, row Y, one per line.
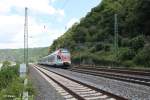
column 125, row 89
column 44, row 91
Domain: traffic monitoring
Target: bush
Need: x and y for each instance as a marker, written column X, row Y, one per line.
column 143, row 57
column 6, row 76
column 126, row 54
column 102, row 46
column 125, row 42
column 15, row 88
column 137, row 43
column 107, row 47
column 6, row 64
column 92, row 49
column 30, row 88
column 80, row 56
column 2, row 93
column 128, row 64
column 99, row 46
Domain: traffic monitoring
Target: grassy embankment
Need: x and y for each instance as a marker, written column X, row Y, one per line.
column 11, row 85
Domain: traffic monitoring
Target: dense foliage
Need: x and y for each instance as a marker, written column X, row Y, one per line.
column 7, row 74
column 94, row 34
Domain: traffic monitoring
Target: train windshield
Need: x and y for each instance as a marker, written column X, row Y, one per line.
column 65, row 52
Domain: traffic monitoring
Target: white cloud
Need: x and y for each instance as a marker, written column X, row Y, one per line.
column 12, row 32
column 12, row 25
column 4, row 8
column 39, row 6
column 71, row 22
column 53, row 1
column 42, row 35
column 9, row 26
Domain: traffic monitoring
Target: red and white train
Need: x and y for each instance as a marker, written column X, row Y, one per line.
column 60, row 58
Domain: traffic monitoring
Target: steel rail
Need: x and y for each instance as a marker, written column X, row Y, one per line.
column 144, row 72
column 84, row 84
column 126, row 78
column 64, row 87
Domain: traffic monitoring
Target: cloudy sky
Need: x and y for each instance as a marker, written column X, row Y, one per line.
column 47, row 20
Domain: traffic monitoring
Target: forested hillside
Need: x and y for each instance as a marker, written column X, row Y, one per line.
column 93, row 37
column 17, row 54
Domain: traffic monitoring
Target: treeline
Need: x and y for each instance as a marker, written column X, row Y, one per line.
column 93, row 37
column 17, row 55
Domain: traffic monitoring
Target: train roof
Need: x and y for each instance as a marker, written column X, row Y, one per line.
column 55, row 52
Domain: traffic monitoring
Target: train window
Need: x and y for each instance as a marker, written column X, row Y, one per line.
column 51, row 58
column 58, row 57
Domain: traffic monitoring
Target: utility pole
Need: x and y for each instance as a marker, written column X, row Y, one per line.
column 116, row 34
column 80, row 52
column 79, row 48
column 26, row 37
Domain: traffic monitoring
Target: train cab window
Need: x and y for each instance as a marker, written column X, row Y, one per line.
column 58, row 57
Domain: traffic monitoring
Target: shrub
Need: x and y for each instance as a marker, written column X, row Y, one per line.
column 102, row 46
column 137, row 43
column 30, row 88
column 6, row 75
column 107, row 47
column 80, row 56
column 143, row 57
column 126, row 54
column 6, row 64
column 2, row 93
column 128, row 63
column 92, row 49
column 125, row 42
column 15, row 88
column 99, row 46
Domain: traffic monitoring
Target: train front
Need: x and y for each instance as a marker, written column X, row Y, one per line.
column 65, row 57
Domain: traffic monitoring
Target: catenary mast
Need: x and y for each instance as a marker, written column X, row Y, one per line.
column 26, row 37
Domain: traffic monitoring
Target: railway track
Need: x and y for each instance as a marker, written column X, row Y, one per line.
column 144, row 72
column 118, row 75
column 74, row 89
